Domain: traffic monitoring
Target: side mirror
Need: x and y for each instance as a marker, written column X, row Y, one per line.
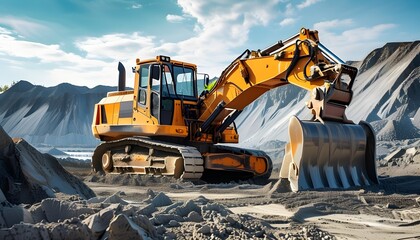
column 156, row 72
column 206, row 80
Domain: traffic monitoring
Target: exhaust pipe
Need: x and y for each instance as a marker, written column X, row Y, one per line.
column 121, row 77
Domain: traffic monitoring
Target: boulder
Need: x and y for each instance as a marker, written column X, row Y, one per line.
column 121, row 227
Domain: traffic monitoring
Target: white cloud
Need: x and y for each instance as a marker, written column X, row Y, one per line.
column 307, row 3
column 48, row 59
column 136, row 6
column 333, row 24
column 174, row 18
column 287, row 21
column 24, row 27
column 25, row 49
column 290, row 10
column 118, row 46
column 5, row 31
column 351, row 43
column 221, row 28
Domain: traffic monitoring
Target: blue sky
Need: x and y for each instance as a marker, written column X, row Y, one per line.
column 48, row 42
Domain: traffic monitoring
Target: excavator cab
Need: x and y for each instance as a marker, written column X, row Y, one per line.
column 164, row 83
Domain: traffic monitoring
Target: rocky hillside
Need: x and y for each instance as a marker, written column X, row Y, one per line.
column 386, row 94
column 58, row 116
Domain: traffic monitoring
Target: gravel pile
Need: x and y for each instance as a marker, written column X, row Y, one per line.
column 401, row 157
column 131, row 179
column 156, row 217
column 308, row 232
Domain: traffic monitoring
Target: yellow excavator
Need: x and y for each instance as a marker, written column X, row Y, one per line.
column 172, row 122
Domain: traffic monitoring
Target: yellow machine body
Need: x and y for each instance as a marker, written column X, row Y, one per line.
column 170, row 123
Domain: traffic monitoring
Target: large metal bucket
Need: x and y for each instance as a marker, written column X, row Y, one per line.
column 329, row 155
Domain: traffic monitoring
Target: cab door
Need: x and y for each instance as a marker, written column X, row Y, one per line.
column 141, row 114
column 162, row 93
column 155, row 91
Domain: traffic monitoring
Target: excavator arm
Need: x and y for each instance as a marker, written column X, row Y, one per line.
column 299, row 61
column 327, row 151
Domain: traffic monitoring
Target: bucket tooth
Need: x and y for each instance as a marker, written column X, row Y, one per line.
column 329, row 155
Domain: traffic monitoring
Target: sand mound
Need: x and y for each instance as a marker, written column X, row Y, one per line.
column 27, row 176
column 46, row 171
column 388, row 130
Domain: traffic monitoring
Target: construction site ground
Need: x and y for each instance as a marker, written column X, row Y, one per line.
column 388, row 211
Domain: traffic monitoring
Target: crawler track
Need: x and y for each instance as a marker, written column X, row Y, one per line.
column 192, row 159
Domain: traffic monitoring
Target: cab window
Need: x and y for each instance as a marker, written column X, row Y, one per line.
column 167, row 82
column 144, row 77
column 184, row 78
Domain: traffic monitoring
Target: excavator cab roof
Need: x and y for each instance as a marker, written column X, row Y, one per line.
column 166, row 59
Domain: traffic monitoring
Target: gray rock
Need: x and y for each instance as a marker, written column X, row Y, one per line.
column 185, row 209
column 170, row 236
column 161, row 200
column 160, row 230
column 69, row 230
column 146, row 224
column 170, row 207
column 174, row 223
column 215, row 207
column 176, row 186
column 205, row 229
column 150, row 193
column 55, row 209
column 96, row 200
column 37, row 213
column 15, row 214
column 411, row 151
column 201, row 200
column 194, row 217
column 99, row 221
column 159, row 219
column 121, row 193
column 395, row 154
column 115, row 198
column 121, row 227
column 416, row 158
column 24, row 231
column 147, row 210
column 129, row 210
column 230, row 220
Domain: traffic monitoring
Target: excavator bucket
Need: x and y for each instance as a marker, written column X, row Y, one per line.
column 329, row 155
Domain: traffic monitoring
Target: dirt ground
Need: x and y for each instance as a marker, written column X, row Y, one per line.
column 390, row 210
